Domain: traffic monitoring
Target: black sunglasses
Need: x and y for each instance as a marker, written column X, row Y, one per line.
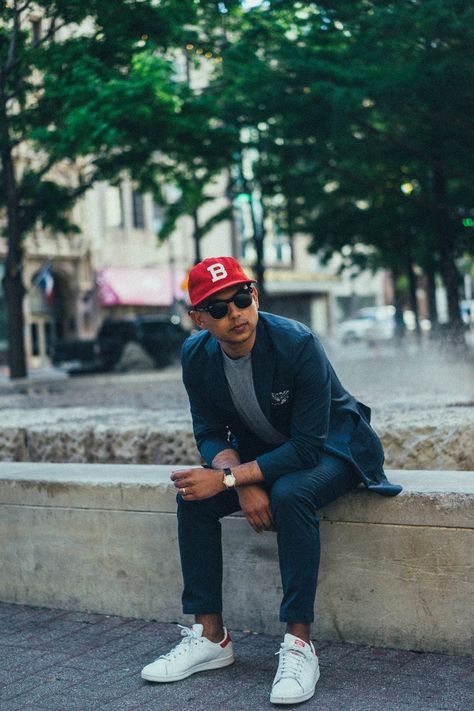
column 218, row 309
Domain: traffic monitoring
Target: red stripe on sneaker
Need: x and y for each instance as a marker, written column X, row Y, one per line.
column 226, row 639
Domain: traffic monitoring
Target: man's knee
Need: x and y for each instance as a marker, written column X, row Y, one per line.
column 287, row 494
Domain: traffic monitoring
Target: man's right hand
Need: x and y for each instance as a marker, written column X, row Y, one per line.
column 255, row 503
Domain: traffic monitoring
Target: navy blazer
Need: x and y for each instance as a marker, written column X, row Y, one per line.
column 298, row 392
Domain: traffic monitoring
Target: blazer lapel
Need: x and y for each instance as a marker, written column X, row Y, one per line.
column 215, row 376
column 263, row 368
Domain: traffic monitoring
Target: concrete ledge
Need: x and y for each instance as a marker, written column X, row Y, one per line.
column 395, row 572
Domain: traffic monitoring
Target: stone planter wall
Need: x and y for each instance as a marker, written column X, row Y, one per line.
column 413, row 439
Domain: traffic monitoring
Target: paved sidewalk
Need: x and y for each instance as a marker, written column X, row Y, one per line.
column 53, row 660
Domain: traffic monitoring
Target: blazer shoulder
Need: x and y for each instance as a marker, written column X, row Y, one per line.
column 287, row 334
column 194, row 345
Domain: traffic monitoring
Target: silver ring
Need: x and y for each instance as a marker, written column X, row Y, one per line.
column 183, row 491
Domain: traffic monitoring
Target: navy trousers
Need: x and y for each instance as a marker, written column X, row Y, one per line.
column 295, row 500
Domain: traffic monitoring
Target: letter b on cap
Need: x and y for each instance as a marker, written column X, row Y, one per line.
column 217, row 271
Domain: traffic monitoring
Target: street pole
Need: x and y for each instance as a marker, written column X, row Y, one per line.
column 197, row 237
column 247, row 176
column 258, row 237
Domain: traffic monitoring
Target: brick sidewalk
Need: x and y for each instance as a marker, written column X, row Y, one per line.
column 53, row 660
column 69, row 661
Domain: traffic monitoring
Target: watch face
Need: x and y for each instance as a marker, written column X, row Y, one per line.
column 229, row 480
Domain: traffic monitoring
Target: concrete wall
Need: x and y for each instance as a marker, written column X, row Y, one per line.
column 395, row 572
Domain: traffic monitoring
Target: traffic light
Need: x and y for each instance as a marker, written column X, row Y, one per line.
column 242, row 197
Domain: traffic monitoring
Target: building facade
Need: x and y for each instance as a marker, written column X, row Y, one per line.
column 117, row 267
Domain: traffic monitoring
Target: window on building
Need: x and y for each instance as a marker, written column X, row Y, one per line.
column 35, row 341
column 157, row 217
column 3, row 313
column 138, row 210
column 114, row 206
column 36, row 33
column 277, row 244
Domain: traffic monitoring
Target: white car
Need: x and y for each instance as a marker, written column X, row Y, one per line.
column 356, row 328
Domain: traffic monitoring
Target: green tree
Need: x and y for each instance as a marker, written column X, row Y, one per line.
column 206, row 141
column 85, row 85
column 201, row 147
column 362, row 114
column 198, row 152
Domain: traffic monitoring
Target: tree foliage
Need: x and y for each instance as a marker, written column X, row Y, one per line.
column 87, row 90
column 362, row 111
column 360, row 116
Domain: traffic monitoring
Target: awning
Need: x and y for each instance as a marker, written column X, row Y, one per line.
column 125, row 286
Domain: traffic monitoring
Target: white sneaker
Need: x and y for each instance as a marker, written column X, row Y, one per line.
column 297, row 674
column 194, row 653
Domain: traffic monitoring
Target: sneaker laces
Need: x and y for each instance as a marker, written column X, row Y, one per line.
column 189, row 636
column 291, row 662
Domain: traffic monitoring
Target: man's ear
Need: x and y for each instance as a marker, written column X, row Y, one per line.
column 197, row 318
column 255, row 295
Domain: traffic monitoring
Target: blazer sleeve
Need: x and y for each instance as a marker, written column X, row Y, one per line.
column 210, row 433
column 310, row 415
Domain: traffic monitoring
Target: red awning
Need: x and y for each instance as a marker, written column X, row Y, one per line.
column 125, row 286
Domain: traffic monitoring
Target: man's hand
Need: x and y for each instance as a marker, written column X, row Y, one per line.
column 197, row 484
column 255, row 503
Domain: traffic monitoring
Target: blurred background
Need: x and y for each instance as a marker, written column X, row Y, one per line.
column 328, row 146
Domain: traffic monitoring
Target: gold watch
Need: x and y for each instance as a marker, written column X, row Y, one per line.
column 229, row 478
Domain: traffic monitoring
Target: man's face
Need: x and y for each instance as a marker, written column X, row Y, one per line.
column 237, row 329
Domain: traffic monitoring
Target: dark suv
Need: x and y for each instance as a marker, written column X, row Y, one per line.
column 160, row 337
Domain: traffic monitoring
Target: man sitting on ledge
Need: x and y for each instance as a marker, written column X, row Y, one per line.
column 281, row 438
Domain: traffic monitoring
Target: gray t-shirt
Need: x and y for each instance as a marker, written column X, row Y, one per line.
column 238, row 372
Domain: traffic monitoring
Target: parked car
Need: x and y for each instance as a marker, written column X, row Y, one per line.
column 355, row 329
column 375, row 324
column 467, row 311
column 467, row 315
column 159, row 337
column 386, row 328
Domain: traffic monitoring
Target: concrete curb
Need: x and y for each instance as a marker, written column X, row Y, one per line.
column 395, row 572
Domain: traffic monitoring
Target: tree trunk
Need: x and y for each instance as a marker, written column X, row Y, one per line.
column 12, row 280
column 451, row 279
column 398, row 303
column 431, row 293
column 447, row 248
column 413, row 286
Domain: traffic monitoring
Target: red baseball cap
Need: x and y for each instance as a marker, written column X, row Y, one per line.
column 214, row 274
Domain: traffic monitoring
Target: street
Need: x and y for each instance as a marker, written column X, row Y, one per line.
column 386, row 378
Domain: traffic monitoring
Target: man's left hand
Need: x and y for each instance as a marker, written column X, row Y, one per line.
column 199, row 483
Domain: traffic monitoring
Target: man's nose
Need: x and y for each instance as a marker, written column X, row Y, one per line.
column 233, row 309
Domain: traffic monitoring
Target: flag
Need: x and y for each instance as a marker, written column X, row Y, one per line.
column 44, row 280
